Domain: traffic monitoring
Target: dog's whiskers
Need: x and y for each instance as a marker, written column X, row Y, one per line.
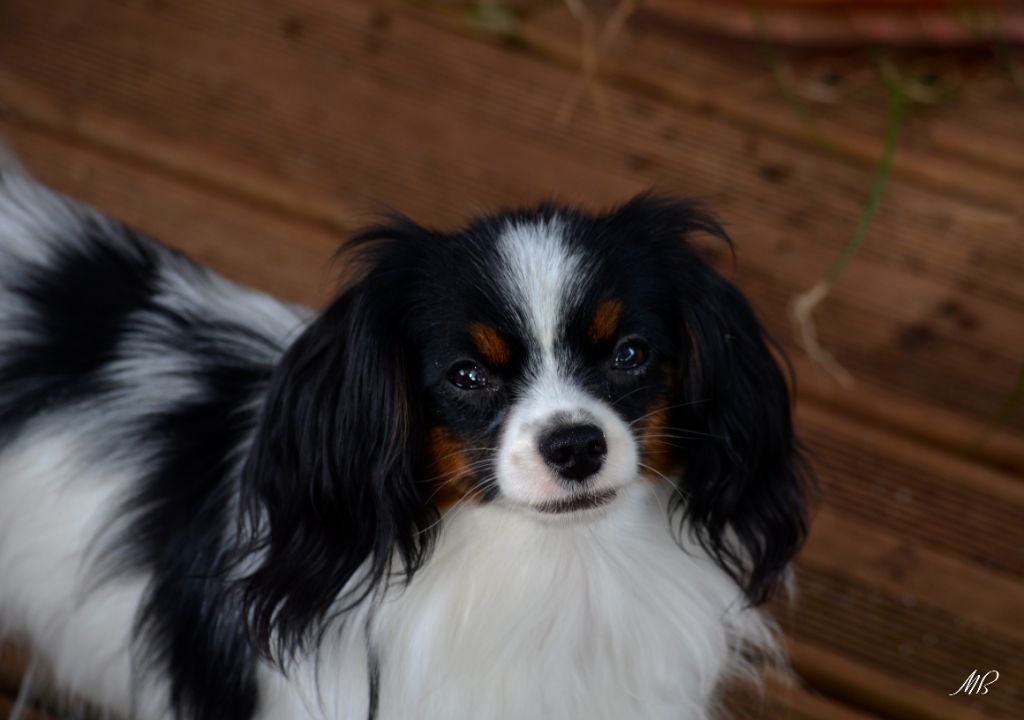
column 460, row 503
column 675, row 488
column 452, row 476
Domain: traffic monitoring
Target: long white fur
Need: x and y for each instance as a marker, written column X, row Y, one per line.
column 516, row 618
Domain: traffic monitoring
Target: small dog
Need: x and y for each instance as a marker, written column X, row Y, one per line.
column 541, row 467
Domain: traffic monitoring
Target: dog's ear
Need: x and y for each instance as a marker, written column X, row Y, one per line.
column 745, row 480
column 330, row 495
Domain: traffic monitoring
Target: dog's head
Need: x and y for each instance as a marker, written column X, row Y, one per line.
column 545, row 360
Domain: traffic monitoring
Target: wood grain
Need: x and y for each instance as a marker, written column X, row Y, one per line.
column 950, row 144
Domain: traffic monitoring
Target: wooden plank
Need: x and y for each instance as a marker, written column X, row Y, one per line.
column 943, row 137
column 913, row 572
column 934, row 499
column 901, row 565
column 862, row 685
column 876, row 405
column 946, row 144
column 889, row 606
column 854, row 23
column 362, row 109
column 785, row 698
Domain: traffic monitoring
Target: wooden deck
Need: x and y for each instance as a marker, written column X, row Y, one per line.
column 256, row 134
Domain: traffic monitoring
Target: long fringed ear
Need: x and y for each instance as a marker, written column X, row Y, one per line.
column 329, row 488
column 746, row 479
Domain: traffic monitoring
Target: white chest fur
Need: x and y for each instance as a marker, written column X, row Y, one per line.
column 515, row 617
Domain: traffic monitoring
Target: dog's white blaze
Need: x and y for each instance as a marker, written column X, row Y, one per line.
column 545, row 279
column 541, row 277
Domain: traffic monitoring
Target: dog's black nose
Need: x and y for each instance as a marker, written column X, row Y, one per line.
column 574, row 451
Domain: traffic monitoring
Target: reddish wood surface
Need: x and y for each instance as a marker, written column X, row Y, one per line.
column 938, row 23
column 281, row 129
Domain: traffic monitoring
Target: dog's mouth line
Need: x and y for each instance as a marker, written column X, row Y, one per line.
column 576, row 503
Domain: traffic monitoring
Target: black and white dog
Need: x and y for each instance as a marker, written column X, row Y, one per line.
column 541, row 467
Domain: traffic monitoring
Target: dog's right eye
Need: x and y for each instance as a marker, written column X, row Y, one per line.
column 467, row 375
column 630, row 354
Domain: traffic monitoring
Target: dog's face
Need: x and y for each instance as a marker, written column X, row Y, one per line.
column 542, row 360
column 548, row 363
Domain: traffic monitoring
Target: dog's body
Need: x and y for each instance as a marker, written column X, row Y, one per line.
column 169, row 543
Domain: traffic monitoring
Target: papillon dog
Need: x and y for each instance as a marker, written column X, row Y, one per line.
column 539, row 467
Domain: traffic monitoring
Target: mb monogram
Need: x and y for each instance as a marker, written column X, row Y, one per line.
column 976, row 684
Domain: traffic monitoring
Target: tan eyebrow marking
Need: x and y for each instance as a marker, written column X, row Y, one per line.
column 490, row 343
column 606, row 320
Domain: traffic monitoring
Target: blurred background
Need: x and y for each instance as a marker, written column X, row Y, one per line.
column 867, row 157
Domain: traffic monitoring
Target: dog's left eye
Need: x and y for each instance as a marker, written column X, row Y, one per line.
column 629, row 355
column 467, row 375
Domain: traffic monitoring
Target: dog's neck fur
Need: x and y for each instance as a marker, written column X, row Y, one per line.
column 602, row 618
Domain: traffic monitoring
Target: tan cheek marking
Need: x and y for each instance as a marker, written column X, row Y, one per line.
column 661, row 454
column 669, row 371
column 606, row 320
column 489, row 343
column 451, row 477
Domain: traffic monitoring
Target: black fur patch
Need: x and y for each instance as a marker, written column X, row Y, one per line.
column 77, row 306
column 190, row 624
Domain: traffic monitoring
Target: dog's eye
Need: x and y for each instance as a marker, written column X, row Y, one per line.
column 467, row 375
column 630, row 354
